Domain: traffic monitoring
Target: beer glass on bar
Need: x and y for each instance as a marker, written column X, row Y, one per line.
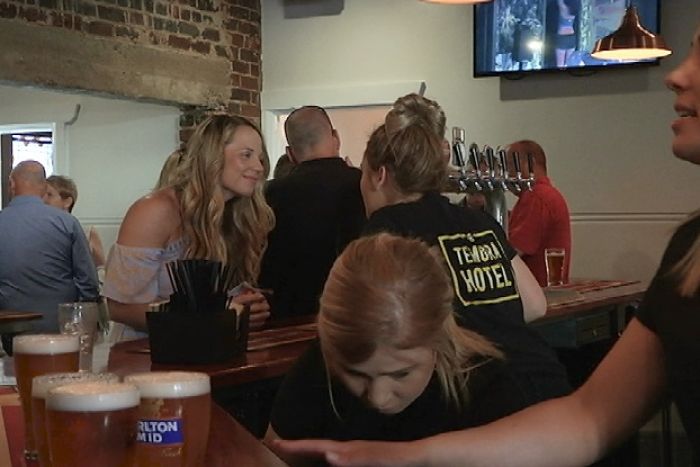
column 92, row 424
column 173, row 426
column 35, row 355
column 554, row 261
column 40, row 386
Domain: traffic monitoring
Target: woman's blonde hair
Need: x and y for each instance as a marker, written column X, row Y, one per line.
column 169, row 172
column 235, row 231
column 66, row 188
column 687, row 270
column 390, row 290
column 409, row 145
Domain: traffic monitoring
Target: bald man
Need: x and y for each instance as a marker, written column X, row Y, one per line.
column 44, row 255
column 318, row 209
column 540, row 219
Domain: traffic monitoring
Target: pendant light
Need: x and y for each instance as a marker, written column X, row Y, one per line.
column 457, row 2
column 631, row 41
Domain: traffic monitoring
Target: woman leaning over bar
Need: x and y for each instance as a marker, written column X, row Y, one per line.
column 213, row 209
column 391, row 362
column 658, row 354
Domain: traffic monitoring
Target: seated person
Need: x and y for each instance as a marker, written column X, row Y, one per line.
column 62, row 193
column 390, row 363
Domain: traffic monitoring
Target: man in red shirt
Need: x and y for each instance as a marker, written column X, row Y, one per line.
column 540, row 218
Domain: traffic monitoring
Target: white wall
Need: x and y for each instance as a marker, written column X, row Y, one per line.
column 607, row 135
column 113, row 151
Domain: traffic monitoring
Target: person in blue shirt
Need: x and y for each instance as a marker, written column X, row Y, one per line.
column 44, row 255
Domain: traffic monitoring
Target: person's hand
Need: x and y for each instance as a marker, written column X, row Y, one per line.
column 353, row 453
column 259, row 308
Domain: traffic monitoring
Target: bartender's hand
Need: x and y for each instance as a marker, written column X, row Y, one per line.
column 259, row 308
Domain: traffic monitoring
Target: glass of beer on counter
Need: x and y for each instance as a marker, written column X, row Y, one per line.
column 92, row 424
column 40, row 387
column 35, row 355
column 554, row 261
column 173, row 426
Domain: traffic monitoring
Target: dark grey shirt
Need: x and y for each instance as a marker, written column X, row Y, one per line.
column 44, row 260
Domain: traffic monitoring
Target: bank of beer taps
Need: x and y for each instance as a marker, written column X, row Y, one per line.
column 486, row 170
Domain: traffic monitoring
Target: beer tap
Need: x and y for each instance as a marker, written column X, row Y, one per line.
column 518, row 174
column 459, row 150
column 474, row 160
column 504, row 171
column 489, row 171
column 530, row 173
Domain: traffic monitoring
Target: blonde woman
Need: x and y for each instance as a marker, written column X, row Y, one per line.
column 391, row 362
column 214, row 209
column 62, row 193
column 657, row 356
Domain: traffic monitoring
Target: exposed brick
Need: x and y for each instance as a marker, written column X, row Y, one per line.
column 253, row 43
column 160, row 24
column 186, row 119
column 248, row 55
column 237, row 39
column 7, row 10
column 249, row 28
column 201, row 47
column 240, row 67
column 207, row 19
column 111, row 14
column 238, row 94
column 250, row 111
column 240, row 13
column 124, row 3
column 179, row 42
column 185, row 14
column 254, row 69
column 234, row 108
column 255, row 16
column 221, row 51
column 77, row 23
column 100, row 28
column 206, row 5
column 86, row 8
column 196, row 17
column 188, row 29
column 161, row 9
column 186, row 134
column 148, row 5
column 211, row 35
column 32, row 14
column 136, row 4
column 174, row 11
column 67, row 20
column 235, row 80
column 249, row 83
column 252, row 4
column 47, row 4
column 136, row 18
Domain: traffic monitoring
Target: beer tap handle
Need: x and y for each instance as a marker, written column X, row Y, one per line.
column 458, row 149
column 530, row 172
column 491, row 161
column 474, row 157
column 516, row 163
column 504, row 170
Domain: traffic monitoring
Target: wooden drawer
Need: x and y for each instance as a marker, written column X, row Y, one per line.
column 575, row 332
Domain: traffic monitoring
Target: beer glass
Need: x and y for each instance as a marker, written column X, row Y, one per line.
column 554, row 261
column 35, row 355
column 91, row 424
column 173, row 426
column 40, row 386
column 80, row 318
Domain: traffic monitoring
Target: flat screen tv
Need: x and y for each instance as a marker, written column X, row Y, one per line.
column 513, row 37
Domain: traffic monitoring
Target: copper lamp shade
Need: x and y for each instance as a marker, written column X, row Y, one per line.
column 631, row 41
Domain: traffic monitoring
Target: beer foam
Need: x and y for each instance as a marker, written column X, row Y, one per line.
column 170, row 384
column 42, row 384
column 92, row 397
column 45, row 344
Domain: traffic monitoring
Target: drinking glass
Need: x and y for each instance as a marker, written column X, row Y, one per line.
column 554, row 260
column 80, row 319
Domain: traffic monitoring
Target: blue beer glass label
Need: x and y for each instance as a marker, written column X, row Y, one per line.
column 160, row 432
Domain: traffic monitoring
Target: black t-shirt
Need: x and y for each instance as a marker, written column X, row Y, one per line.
column 303, row 407
column 478, row 257
column 676, row 321
column 318, row 211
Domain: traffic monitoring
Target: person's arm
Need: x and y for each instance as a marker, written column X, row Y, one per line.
column 84, row 273
column 96, row 249
column 291, row 459
column 150, row 223
column 623, row 392
column 531, row 294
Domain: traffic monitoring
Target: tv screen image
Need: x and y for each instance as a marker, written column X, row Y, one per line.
column 520, row 36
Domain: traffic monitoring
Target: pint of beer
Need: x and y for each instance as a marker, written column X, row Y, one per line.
column 40, row 386
column 35, row 355
column 554, row 262
column 173, row 426
column 92, row 424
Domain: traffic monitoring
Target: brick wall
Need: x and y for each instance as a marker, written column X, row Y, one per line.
column 228, row 29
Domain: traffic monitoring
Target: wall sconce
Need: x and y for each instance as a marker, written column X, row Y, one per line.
column 631, row 41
